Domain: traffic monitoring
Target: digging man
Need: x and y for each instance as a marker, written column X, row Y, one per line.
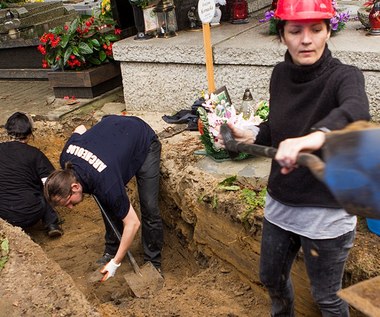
column 101, row 161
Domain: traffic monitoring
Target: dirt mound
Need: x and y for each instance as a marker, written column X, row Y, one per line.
column 34, row 285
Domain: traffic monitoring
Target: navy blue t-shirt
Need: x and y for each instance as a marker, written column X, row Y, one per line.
column 107, row 156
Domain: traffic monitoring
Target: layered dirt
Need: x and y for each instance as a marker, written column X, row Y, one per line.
column 205, row 256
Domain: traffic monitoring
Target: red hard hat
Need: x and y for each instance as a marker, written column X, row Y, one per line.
column 304, row 9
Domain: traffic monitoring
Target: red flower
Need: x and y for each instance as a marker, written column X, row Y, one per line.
column 55, row 42
column 51, row 36
column 44, row 38
column 44, row 63
column 41, row 49
column 200, row 127
column 86, row 31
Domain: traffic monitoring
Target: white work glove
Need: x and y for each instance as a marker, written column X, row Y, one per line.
column 109, row 270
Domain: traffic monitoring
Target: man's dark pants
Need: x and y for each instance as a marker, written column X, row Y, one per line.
column 148, row 184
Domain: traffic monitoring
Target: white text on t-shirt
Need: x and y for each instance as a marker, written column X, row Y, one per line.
column 86, row 155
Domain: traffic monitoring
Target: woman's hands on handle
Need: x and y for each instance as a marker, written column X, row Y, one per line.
column 240, row 135
column 289, row 149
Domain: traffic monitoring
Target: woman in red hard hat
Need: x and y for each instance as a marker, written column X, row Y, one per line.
column 310, row 93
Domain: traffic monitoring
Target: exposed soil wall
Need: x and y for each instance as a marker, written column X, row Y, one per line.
column 211, row 221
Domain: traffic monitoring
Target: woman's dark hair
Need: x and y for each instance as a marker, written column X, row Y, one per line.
column 19, row 126
column 280, row 25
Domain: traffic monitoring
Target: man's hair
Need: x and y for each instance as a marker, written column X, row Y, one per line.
column 58, row 184
column 19, row 126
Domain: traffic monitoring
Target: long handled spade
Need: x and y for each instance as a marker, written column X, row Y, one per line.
column 351, row 169
column 144, row 281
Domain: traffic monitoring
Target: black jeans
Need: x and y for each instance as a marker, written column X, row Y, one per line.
column 324, row 260
column 46, row 213
column 148, row 185
column 49, row 216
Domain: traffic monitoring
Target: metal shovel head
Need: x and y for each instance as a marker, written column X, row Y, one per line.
column 352, row 170
column 145, row 285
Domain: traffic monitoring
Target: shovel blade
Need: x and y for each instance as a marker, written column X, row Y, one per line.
column 148, row 283
column 364, row 296
column 352, row 171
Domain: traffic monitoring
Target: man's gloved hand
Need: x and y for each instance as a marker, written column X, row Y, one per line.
column 109, row 270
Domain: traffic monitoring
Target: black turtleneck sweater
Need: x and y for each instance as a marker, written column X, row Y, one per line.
column 326, row 94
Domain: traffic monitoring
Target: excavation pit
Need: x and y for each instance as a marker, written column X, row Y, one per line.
column 210, row 256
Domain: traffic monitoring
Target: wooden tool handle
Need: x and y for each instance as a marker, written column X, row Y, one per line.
column 209, row 59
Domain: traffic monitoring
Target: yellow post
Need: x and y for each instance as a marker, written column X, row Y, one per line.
column 209, row 60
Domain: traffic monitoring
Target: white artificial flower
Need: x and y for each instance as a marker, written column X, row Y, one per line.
column 220, row 2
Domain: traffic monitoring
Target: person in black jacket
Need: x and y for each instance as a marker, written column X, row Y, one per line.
column 23, row 169
column 311, row 93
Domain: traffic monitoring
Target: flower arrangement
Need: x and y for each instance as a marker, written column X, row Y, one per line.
column 337, row 23
column 85, row 42
column 214, row 112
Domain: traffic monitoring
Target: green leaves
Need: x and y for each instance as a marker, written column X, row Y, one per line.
column 4, row 251
column 228, row 184
column 140, row 3
column 253, row 200
column 111, row 37
column 94, row 61
column 84, row 48
column 263, row 110
column 67, row 54
column 95, row 43
column 85, row 42
column 102, row 56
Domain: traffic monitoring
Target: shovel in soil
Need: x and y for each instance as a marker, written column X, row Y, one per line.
column 364, row 296
column 351, row 169
column 144, row 281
